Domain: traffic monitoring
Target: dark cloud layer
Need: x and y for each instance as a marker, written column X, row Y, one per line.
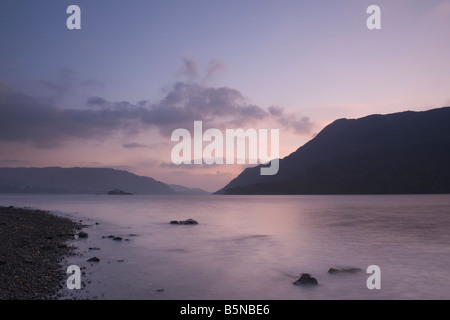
column 24, row 118
column 216, row 107
column 28, row 119
column 300, row 125
column 134, row 145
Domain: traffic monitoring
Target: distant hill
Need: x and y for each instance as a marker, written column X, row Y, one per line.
column 184, row 190
column 400, row 153
column 77, row 180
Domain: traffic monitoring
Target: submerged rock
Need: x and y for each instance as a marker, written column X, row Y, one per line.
column 345, row 270
column 306, row 278
column 116, row 238
column 82, row 235
column 94, row 259
column 188, row 221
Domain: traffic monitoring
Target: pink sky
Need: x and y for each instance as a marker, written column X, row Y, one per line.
column 110, row 94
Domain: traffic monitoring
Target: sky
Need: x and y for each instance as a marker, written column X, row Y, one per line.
column 111, row 93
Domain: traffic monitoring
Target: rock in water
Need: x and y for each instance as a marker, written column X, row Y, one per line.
column 94, row 259
column 348, row 270
column 306, row 278
column 188, row 221
column 82, row 235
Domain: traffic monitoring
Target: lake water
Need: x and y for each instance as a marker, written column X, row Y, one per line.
column 254, row 247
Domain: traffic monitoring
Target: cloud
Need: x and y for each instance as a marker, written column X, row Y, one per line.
column 91, row 83
column 67, row 87
column 96, row 101
column 65, row 79
column 28, row 119
column 276, row 111
column 134, row 145
column 56, row 89
column 299, row 124
column 189, row 68
column 216, row 107
column 12, row 161
column 214, row 66
column 122, row 167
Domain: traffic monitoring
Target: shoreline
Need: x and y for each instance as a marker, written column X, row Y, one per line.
column 33, row 243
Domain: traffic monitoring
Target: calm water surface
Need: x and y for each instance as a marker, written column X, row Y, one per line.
column 254, row 247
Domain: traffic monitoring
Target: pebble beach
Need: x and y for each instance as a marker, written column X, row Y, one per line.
column 32, row 245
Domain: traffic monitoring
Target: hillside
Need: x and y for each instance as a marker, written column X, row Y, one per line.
column 400, row 153
column 77, row 180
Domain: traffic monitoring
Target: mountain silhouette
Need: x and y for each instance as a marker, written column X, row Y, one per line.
column 399, row 153
column 77, row 180
column 185, row 190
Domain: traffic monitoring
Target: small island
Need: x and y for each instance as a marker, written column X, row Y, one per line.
column 117, row 192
